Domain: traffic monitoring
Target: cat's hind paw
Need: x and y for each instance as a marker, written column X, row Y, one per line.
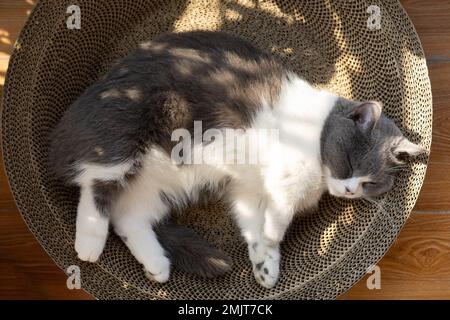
column 266, row 265
column 89, row 247
column 158, row 270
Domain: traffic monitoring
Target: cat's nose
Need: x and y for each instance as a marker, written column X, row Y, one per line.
column 348, row 192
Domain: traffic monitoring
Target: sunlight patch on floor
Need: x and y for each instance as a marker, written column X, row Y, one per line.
column 4, row 60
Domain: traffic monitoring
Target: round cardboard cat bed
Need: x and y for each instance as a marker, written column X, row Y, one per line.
column 344, row 46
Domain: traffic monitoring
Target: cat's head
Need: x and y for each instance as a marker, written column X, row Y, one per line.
column 362, row 149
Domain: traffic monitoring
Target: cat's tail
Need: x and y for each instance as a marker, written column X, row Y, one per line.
column 190, row 253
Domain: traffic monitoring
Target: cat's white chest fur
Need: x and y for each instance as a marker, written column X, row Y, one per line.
column 294, row 171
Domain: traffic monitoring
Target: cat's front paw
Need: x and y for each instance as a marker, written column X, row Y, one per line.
column 158, row 269
column 266, row 264
column 89, row 246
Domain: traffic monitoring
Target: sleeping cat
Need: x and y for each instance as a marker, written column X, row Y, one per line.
column 117, row 142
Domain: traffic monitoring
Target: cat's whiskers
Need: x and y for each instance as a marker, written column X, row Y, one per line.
column 399, row 167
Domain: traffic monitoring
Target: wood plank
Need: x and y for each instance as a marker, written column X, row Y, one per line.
column 439, row 72
column 434, row 194
column 12, row 17
column 429, row 16
column 417, row 266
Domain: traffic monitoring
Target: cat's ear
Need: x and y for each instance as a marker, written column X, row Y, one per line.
column 405, row 149
column 366, row 115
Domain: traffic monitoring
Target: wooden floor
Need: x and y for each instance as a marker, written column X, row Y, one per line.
column 416, row 267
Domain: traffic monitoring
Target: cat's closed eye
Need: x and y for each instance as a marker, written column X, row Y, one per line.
column 369, row 184
column 350, row 166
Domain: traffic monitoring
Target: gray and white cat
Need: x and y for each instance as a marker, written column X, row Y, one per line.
column 116, row 143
